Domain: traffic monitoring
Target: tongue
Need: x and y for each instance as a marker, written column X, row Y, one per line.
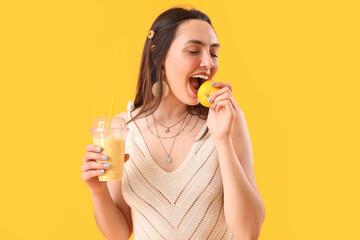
column 194, row 82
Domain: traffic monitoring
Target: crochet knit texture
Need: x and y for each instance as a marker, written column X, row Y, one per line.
column 185, row 204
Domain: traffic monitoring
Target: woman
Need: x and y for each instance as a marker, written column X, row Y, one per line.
column 189, row 173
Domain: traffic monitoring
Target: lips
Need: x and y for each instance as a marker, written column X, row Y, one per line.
column 195, row 83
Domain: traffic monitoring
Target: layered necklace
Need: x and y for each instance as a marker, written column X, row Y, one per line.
column 167, row 130
column 167, row 137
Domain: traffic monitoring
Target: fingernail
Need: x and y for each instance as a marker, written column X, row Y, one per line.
column 209, row 99
column 106, row 165
column 213, row 105
column 104, row 157
column 98, row 149
column 213, row 83
column 102, row 170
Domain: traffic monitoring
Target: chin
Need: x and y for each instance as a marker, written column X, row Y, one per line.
column 192, row 102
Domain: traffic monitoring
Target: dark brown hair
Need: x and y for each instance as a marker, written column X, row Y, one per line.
column 165, row 27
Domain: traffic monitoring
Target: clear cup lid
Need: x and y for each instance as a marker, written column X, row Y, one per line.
column 117, row 123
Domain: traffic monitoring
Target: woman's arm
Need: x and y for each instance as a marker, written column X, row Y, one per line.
column 243, row 206
column 109, row 218
column 112, row 214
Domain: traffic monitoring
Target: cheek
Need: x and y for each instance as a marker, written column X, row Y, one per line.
column 185, row 64
column 215, row 67
column 179, row 69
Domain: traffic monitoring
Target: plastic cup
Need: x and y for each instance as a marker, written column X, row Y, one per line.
column 112, row 139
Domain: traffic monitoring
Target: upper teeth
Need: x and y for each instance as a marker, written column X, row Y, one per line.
column 201, row 76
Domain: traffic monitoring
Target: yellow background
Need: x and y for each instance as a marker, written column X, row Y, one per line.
column 294, row 66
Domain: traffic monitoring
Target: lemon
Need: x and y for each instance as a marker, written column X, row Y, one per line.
column 205, row 91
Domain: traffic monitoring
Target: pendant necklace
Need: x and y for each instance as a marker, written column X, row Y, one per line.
column 168, row 158
column 167, row 130
column 156, row 135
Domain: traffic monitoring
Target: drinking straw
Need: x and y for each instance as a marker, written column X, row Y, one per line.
column 111, row 109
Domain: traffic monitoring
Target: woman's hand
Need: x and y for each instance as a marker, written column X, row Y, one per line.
column 222, row 114
column 91, row 169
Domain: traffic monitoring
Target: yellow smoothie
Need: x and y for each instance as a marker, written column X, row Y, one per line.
column 114, row 148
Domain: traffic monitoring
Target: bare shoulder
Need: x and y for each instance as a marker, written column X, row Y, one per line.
column 123, row 115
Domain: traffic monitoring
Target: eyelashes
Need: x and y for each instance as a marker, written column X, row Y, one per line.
column 192, row 52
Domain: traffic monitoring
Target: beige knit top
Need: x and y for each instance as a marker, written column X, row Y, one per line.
column 185, row 204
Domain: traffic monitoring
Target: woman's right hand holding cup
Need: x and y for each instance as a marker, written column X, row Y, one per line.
column 91, row 169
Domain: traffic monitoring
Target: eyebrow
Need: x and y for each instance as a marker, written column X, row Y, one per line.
column 201, row 43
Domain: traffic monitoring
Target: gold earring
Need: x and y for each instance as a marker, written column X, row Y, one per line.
column 156, row 89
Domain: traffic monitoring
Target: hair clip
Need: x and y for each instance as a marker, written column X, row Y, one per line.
column 151, row 34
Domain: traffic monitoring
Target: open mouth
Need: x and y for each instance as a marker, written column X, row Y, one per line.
column 195, row 83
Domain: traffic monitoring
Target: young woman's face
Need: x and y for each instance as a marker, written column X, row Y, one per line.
column 194, row 51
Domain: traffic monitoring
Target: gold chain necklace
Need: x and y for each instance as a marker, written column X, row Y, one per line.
column 156, row 135
column 167, row 130
column 168, row 158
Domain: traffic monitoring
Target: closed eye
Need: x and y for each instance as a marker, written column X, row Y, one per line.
column 214, row 55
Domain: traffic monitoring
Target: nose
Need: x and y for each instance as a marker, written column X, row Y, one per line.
column 206, row 61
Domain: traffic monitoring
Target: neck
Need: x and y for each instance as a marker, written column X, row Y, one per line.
column 170, row 109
